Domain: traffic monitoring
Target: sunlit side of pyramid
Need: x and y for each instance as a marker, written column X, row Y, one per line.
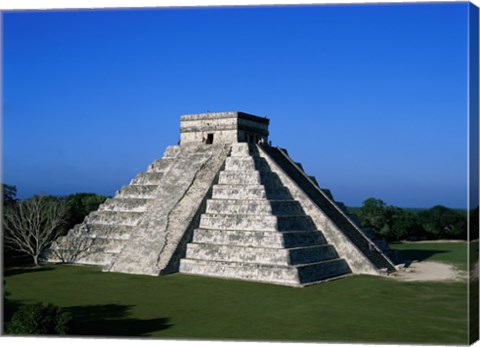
column 225, row 204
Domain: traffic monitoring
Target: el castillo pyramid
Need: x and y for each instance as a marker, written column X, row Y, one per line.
column 224, row 203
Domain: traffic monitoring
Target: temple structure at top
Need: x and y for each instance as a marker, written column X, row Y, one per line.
column 224, row 127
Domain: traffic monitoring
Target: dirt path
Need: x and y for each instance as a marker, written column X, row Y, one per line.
column 430, row 271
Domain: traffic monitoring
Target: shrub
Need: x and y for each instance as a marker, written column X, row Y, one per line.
column 38, row 319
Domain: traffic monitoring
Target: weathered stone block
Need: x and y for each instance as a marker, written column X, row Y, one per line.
column 148, row 178
column 137, row 191
column 124, row 204
column 239, row 237
column 114, row 218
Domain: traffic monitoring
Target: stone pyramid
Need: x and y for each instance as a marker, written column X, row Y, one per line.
column 225, row 204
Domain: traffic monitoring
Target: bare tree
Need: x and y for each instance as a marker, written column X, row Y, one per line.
column 30, row 226
column 73, row 246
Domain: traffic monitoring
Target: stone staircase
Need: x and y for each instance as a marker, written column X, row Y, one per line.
column 252, row 229
column 159, row 240
column 105, row 232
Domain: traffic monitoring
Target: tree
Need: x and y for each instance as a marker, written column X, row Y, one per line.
column 377, row 215
column 80, row 205
column 405, row 224
column 39, row 319
column 391, row 222
column 372, row 213
column 442, row 222
column 9, row 194
column 31, row 225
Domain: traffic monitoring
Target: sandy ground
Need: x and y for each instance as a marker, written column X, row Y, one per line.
column 430, row 271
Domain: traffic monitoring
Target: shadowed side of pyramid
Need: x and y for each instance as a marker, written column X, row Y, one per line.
column 366, row 254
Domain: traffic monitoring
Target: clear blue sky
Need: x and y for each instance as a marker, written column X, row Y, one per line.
column 371, row 99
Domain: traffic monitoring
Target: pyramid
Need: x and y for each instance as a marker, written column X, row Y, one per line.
column 224, row 203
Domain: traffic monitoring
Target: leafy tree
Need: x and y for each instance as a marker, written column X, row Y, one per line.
column 394, row 223
column 38, row 319
column 442, row 222
column 406, row 224
column 380, row 217
column 9, row 194
column 31, row 225
column 80, row 205
column 373, row 214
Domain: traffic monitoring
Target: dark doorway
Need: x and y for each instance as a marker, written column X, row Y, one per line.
column 209, row 139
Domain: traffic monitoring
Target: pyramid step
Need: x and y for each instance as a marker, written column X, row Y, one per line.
column 171, row 152
column 249, row 192
column 322, row 271
column 286, row 275
column 312, row 254
column 296, row 276
column 275, row 207
column 239, row 177
column 160, row 165
column 114, row 218
column 239, row 237
column 121, row 232
column 303, row 238
column 99, row 259
column 89, row 244
column 189, row 149
column 137, row 191
column 259, row 238
column 230, row 253
column 261, row 255
column 256, row 223
column 124, row 204
column 113, row 246
column 247, row 163
column 148, row 178
column 241, row 150
column 250, row 177
column 81, row 251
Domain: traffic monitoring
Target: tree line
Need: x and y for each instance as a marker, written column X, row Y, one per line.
column 31, row 225
column 394, row 223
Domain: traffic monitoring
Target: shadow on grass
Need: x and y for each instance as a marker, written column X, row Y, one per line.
column 407, row 256
column 112, row 321
column 12, row 271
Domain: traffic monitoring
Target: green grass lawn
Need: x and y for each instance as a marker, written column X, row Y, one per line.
column 454, row 253
column 355, row 309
